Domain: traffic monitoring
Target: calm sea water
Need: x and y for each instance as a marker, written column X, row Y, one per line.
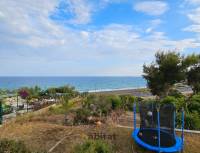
column 80, row 83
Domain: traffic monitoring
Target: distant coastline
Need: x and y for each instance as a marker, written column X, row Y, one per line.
column 116, row 90
column 82, row 83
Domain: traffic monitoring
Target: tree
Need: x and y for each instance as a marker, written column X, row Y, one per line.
column 35, row 92
column 192, row 62
column 193, row 79
column 167, row 70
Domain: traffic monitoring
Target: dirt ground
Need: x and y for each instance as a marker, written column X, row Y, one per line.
column 41, row 132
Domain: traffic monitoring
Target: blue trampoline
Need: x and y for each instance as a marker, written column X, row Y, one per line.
column 157, row 128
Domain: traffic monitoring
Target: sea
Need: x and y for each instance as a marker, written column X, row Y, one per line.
column 82, row 84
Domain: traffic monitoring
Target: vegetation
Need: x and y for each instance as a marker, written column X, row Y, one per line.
column 191, row 106
column 11, row 146
column 93, row 147
column 92, row 108
column 168, row 69
column 193, row 78
column 7, row 109
column 171, row 68
column 192, row 65
column 102, row 105
column 164, row 72
column 64, row 90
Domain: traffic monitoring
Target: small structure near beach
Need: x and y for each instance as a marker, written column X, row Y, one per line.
column 157, row 128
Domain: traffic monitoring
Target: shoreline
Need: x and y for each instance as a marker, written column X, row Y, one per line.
column 138, row 92
column 116, row 89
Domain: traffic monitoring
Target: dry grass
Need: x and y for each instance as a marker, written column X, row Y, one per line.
column 40, row 136
column 41, row 130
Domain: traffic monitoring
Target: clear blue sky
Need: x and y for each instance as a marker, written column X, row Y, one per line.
column 93, row 37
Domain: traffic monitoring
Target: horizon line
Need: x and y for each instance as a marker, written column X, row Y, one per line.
column 71, row 76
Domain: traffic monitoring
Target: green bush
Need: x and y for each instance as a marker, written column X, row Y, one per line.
column 116, row 102
column 57, row 109
column 7, row 109
column 179, row 103
column 169, row 100
column 129, row 104
column 82, row 116
column 175, row 93
column 103, row 105
column 98, row 105
column 192, row 121
column 11, row 146
column 194, row 104
column 93, row 147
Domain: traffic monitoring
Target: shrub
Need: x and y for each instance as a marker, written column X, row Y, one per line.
column 98, row 105
column 178, row 102
column 7, row 109
column 82, row 116
column 192, row 121
column 169, row 100
column 175, row 93
column 11, row 146
column 93, row 147
column 127, row 102
column 116, row 102
column 56, row 109
column 194, row 104
column 129, row 105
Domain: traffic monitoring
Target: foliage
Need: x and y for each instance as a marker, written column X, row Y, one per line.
column 29, row 93
column 82, row 116
column 194, row 104
column 96, row 146
column 64, row 90
column 4, row 91
column 12, row 146
column 24, row 93
column 191, row 120
column 193, row 78
column 192, row 110
column 115, row 102
column 51, row 92
column 57, row 109
column 62, row 108
column 98, row 105
column 7, row 109
column 164, row 73
column 175, row 93
column 104, row 104
column 169, row 100
column 127, row 102
column 191, row 60
column 179, row 103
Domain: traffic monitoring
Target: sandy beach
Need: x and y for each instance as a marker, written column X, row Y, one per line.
column 140, row 92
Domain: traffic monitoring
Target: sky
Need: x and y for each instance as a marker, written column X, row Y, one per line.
column 93, row 37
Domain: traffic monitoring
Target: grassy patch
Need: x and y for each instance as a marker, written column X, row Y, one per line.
column 41, row 136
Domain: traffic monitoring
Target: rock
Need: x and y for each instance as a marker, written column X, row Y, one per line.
column 98, row 123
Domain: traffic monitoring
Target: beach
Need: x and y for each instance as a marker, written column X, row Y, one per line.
column 139, row 92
